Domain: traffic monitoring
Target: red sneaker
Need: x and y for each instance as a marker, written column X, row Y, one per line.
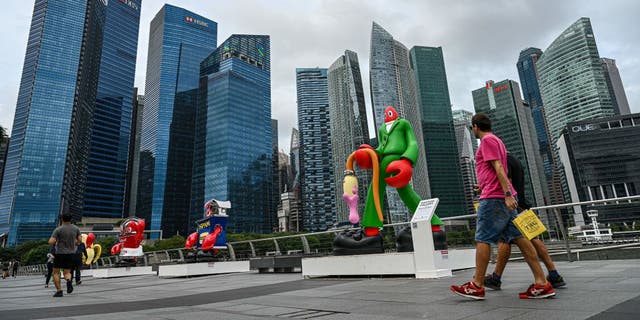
column 538, row 292
column 469, row 290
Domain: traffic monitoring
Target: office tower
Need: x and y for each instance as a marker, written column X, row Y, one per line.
column 109, row 148
column 133, row 169
column 616, row 89
column 4, row 147
column 572, row 80
column 46, row 164
column 234, row 143
column 178, row 42
column 294, row 155
column 317, row 184
column 275, row 176
column 440, row 146
column 528, row 74
column 348, row 123
column 467, row 147
column 601, row 158
column 392, row 83
column 511, row 122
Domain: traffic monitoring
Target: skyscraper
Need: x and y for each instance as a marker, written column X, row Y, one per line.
column 528, row 74
column 511, row 122
column 616, row 89
column 234, row 143
column 109, row 148
column 348, row 123
column 317, row 184
column 46, row 164
column 4, row 147
column 178, row 42
column 440, row 146
column 393, row 84
column 467, row 147
column 572, row 81
column 133, row 170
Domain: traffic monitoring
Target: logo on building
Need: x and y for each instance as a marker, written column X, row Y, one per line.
column 130, row 3
column 501, row 88
column 584, row 128
column 196, row 21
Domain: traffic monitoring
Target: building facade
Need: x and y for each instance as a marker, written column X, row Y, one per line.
column 392, row 83
column 601, row 158
column 109, row 148
column 317, row 184
column 616, row 89
column 439, row 143
column 46, row 165
column 348, row 123
column 467, row 147
column 512, row 123
column 4, row 147
column 133, row 170
column 234, row 143
column 179, row 40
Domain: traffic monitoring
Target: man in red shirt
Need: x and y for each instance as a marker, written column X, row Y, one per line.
column 496, row 212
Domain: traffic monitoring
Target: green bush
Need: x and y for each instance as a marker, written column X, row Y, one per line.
column 36, row 255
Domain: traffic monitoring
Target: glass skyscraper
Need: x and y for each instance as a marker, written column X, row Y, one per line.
column 233, row 146
column 511, row 122
column 317, row 184
column 348, row 123
column 47, row 159
column 393, row 84
column 528, row 74
column 440, row 146
column 179, row 40
column 109, row 148
column 572, row 81
column 616, row 89
column 467, row 147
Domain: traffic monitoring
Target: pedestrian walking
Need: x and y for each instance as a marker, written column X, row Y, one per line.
column 496, row 212
column 66, row 238
column 77, row 262
column 50, row 258
column 14, row 267
column 494, row 280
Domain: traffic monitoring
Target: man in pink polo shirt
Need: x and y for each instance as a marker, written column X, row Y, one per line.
column 496, row 212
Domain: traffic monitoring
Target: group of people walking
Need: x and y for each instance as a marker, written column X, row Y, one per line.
column 12, row 265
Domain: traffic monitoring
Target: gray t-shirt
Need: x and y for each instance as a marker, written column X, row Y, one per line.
column 66, row 236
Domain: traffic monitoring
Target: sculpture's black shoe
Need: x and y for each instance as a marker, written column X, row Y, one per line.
column 350, row 242
column 404, row 241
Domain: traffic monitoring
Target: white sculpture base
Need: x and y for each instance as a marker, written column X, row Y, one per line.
column 121, row 272
column 202, row 268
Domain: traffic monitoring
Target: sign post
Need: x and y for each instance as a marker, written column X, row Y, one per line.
column 424, row 256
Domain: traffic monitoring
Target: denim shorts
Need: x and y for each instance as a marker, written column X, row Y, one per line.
column 495, row 222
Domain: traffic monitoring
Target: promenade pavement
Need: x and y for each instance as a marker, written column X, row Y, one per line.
column 605, row 289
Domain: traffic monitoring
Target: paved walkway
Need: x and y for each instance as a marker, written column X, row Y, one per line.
column 608, row 289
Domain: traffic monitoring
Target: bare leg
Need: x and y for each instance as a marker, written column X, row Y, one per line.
column 56, row 279
column 530, row 256
column 67, row 274
column 504, row 252
column 483, row 253
column 543, row 254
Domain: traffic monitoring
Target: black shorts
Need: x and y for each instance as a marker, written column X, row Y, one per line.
column 64, row 261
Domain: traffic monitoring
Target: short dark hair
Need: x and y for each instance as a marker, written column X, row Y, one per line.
column 66, row 217
column 482, row 121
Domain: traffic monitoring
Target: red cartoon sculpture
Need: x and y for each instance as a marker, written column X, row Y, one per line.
column 130, row 245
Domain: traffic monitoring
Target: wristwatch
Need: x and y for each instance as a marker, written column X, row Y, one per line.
column 508, row 194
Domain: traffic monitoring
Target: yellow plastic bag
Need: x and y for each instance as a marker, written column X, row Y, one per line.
column 529, row 224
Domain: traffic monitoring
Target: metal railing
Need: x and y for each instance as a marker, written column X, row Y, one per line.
column 318, row 243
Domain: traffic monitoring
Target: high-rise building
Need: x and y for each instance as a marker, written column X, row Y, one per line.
column 616, row 89
column 571, row 78
column 46, row 165
column 179, row 40
column 440, row 146
column 511, row 122
column 467, row 147
column 348, row 123
column 234, row 143
column 317, row 184
column 109, row 149
column 294, row 155
column 133, row 169
column 601, row 158
column 275, row 176
column 4, row 147
column 392, row 83
column 528, row 74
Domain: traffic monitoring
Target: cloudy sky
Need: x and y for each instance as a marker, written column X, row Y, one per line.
column 481, row 40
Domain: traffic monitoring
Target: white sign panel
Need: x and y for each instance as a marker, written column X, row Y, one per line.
column 425, row 210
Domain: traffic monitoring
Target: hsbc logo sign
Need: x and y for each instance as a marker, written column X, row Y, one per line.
column 196, row 21
column 584, row 128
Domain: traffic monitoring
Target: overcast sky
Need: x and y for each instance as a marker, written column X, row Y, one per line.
column 481, row 40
